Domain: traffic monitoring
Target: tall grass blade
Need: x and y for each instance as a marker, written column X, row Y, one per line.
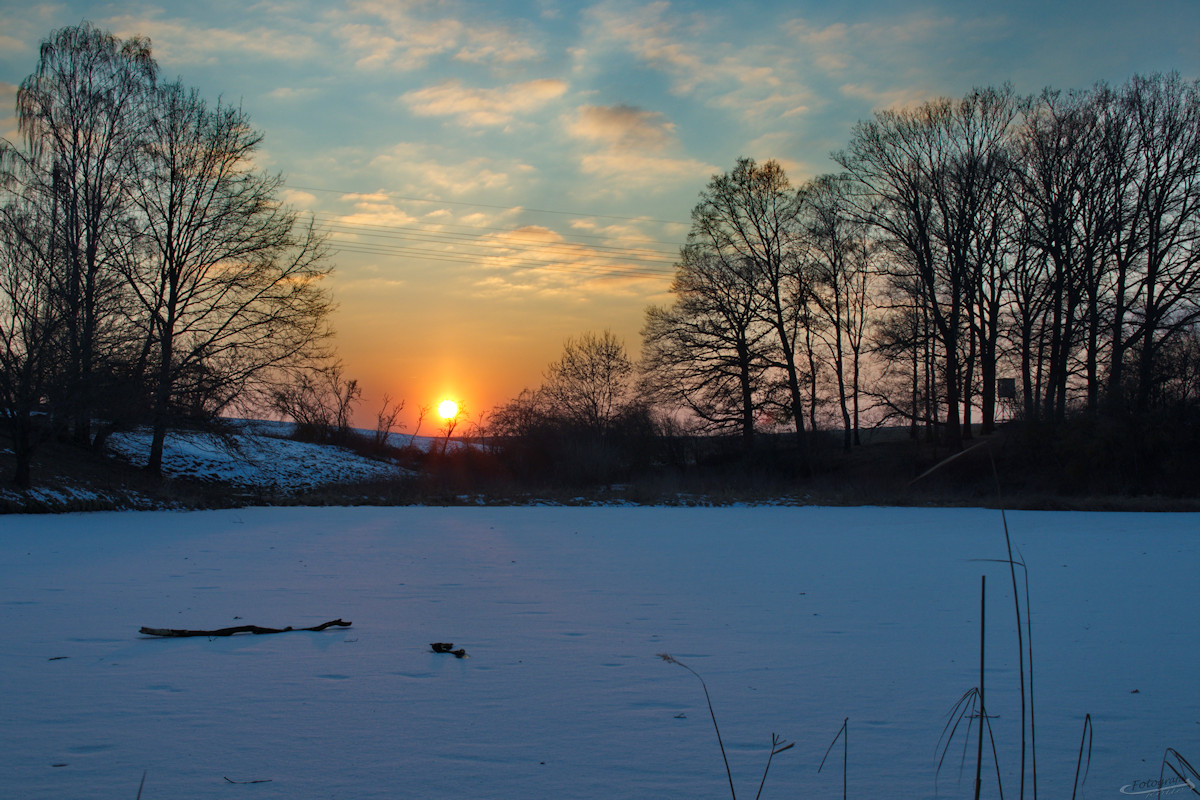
column 1079, row 765
column 844, row 734
column 995, row 754
column 969, row 708
column 1182, row 769
column 1012, row 569
column 982, row 714
column 963, row 709
column 778, row 745
column 946, row 461
column 728, row 773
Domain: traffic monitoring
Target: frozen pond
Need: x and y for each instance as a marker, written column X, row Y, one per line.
column 796, row 618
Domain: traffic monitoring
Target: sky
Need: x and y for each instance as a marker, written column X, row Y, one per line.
column 495, row 177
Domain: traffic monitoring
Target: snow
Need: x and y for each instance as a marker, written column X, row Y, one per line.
column 254, row 461
column 796, row 618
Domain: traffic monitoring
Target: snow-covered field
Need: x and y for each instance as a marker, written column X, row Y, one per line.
column 256, row 460
column 796, row 617
column 259, row 458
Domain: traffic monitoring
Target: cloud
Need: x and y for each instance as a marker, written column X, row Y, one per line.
column 623, row 127
column 429, row 170
column 624, row 172
column 890, row 63
column 408, row 48
column 22, row 30
column 759, row 79
column 534, row 260
column 406, row 36
column 637, row 149
column 11, row 44
column 292, row 93
column 178, row 42
column 893, row 98
column 475, row 107
column 299, row 198
column 496, row 45
column 648, row 35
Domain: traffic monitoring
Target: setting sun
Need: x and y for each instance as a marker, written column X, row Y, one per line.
column 447, row 409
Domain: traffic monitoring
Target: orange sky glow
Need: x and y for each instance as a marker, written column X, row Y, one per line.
column 497, row 177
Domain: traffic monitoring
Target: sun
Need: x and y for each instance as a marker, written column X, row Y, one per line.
column 447, row 409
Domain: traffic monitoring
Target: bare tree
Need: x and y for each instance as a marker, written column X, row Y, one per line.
column 321, row 401
column 385, row 421
column 1065, row 203
column 705, row 352
column 840, row 254
column 81, row 113
column 30, row 325
column 589, row 385
column 931, row 176
column 230, row 280
column 750, row 215
column 1164, row 113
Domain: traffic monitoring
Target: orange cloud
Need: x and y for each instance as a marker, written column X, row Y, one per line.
column 535, row 259
column 623, row 127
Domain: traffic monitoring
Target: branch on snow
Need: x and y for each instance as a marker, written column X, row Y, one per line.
column 174, row 632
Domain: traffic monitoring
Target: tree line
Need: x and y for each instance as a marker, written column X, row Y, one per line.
column 1039, row 254
column 1051, row 241
column 149, row 272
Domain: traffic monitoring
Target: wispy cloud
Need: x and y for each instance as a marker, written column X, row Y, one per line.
column 756, row 77
column 624, row 172
column 295, row 93
column 496, row 46
column 880, row 98
column 184, row 42
column 299, row 198
column 403, row 35
column 638, row 149
column 427, row 170
column 477, row 107
column 899, row 61
column 534, row 260
column 405, row 49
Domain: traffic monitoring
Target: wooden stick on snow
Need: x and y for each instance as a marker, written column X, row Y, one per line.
column 174, row 632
